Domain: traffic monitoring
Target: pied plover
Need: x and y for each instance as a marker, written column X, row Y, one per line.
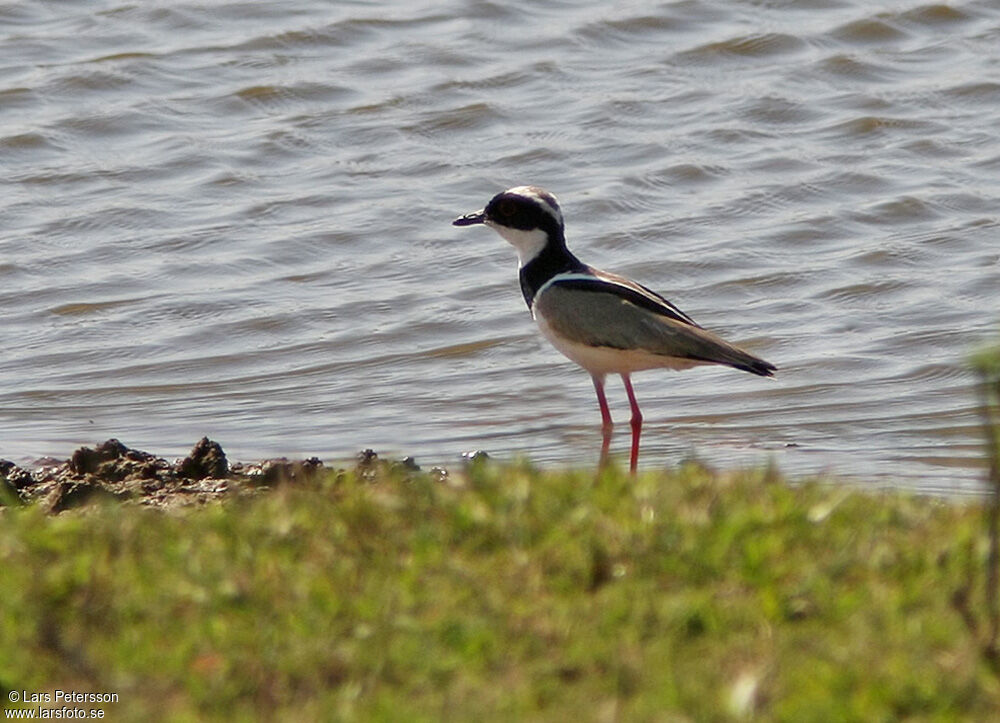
column 606, row 323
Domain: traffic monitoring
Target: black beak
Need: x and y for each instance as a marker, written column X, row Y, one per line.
column 470, row 219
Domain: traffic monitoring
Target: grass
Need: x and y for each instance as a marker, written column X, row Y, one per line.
column 507, row 593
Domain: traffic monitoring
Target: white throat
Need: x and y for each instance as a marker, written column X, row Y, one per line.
column 528, row 244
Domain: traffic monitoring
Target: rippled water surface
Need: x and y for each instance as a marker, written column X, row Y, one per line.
column 232, row 219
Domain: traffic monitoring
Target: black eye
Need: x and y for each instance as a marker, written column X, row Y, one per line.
column 507, row 208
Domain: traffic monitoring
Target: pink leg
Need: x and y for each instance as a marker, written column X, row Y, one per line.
column 606, row 423
column 636, row 423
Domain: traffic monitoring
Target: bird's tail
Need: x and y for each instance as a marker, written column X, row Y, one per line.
column 718, row 351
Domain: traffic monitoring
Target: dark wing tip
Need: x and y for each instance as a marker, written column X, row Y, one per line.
column 760, row 368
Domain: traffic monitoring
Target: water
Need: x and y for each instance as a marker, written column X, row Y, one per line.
column 232, row 219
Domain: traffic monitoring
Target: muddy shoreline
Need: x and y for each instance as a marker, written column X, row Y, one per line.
column 113, row 471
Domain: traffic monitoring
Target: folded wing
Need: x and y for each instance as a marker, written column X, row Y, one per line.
column 602, row 311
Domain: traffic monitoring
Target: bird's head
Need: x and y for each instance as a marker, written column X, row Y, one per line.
column 528, row 217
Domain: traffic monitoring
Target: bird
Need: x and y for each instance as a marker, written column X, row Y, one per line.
column 605, row 323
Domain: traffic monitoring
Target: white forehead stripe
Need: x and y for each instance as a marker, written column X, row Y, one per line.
column 542, row 197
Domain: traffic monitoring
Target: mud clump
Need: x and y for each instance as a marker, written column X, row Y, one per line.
column 206, row 460
column 66, row 495
column 13, row 476
column 112, row 461
column 114, row 471
column 281, row 471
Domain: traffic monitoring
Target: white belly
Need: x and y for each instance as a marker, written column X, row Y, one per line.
column 601, row 360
